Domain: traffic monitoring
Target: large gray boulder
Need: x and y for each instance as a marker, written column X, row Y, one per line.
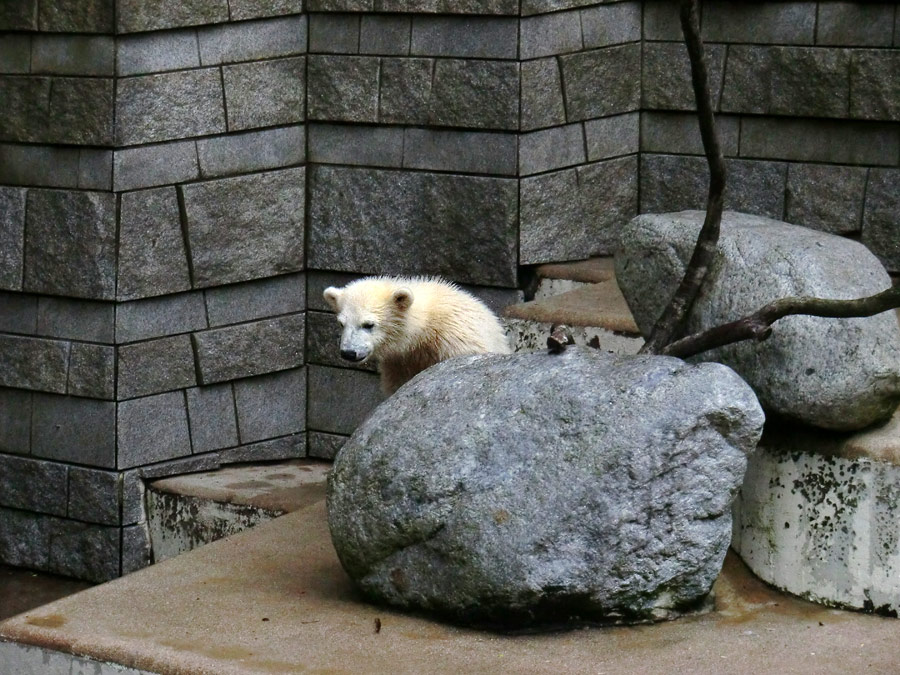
column 838, row 374
column 534, row 488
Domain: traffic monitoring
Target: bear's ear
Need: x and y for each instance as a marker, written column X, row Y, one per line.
column 332, row 296
column 402, row 298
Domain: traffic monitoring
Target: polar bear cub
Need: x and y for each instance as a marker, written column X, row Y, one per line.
column 408, row 324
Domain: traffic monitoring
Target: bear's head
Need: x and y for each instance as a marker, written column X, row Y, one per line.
column 373, row 314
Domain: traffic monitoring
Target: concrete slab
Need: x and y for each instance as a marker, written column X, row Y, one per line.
column 590, row 271
column 274, row 599
column 601, row 304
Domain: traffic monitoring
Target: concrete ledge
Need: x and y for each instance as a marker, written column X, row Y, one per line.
column 599, row 304
column 818, row 516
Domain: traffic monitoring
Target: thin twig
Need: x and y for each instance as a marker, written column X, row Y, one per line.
column 672, row 320
column 758, row 325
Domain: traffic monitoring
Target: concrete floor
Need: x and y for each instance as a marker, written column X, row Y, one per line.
column 22, row 590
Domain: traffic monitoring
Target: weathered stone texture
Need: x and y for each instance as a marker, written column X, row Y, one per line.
column 272, row 405
column 72, row 429
column 31, row 363
column 611, row 24
column 156, row 317
column 33, row 485
column 82, row 320
column 251, row 9
column 24, row 539
column 137, row 549
column 250, row 349
column 266, row 93
column 881, row 223
column 798, row 81
column 576, row 213
column 76, row 16
column 212, row 419
column 256, row 299
column 151, row 165
column 94, row 496
column 334, row 33
column 252, row 151
column 470, row 37
column 462, row 151
column 25, row 101
column 460, row 226
column 95, row 169
column 388, row 35
column 666, row 79
column 15, row 54
column 155, row 366
column 761, row 22
column 827, row 198
column 551, row 149
column 679, row 133
column 156, row 52
column 875, row 94
column 18, row 312
column 84, row 551
column 92, row 371
column 12, row 237
column 152, row 429
column 246, row 227
column 357, row 144
column 151, row 108
column 341, row 398
column 152, row 257
column 15, row 421
column 252, row 40
column 19, row 15
column 602, row 82
column 73, row 55
column 855, row 24
column 542, row 98
column 146, row 15
column 40, row 165
column 70, row 243
column 80, row 111
column 324, row 446
column 343, row 88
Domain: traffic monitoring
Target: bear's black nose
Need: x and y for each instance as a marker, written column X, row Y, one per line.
column 349, row 355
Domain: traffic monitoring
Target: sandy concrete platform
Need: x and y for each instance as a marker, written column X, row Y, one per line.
column 600, row 304
column 275, row 600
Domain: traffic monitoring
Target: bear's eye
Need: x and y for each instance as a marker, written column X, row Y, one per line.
column 368, row 325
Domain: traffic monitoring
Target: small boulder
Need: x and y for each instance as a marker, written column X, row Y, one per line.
column 536, row 488
column 841, row 374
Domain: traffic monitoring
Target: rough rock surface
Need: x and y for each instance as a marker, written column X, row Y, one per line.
column 833, row 373
column 535, row 488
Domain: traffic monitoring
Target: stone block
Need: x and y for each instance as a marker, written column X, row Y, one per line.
column 286, row 447
column 661, row 21
column 575, row 213
column 39, row 165
column 835, row 142
column 33, row 485
column 76, row 16
column 137, row 549
column 340, row 398
column 602, row 82
column 550, row 34
column 542, row 98
column 271, row 405
column 156, row 52
column 33, row 363
column 875, row 94
column 76, row 430
column 251, row 151
column 340, row 5
column 467, row 37
column 12, row 237
column 679, row 133
column 245, row 227
column 151, row 165
column 168, row 106
column 460, row 151
column 797, row 81
column 211, row 414
column 446, row 6
column 92, row 370
column 95, row 169
column 84, row 551
column 156, row 317
column 152, row 429
column 155, row 366
column 324, row 446
column 135, row 16
column 26, row 103
column 15, row 421
column 666, row 75
column 82, row 320
column 613, row 24
column 73, row 54
column 252, row 40
column 18, row 313
column 827, row 198
column 266, row 93
column 387, row 35
column 406, row 86
column 612, row 136
column 529, row 7
column 19, row 15
column 343, row 88
column 70, row 243
column 463, row 227
column 760, row 22
column 152, row 257
column 133, row 491
column 323, row 340
column 356, row 144
column 759, row 187
column 24, row 538
column 881, row 228
column 241, row 10
column 80, row 112
column 94, row 496
column 855, row 24
column 334, row 33
column 551, row 149
column 474, row 93
column 256, row 299
column 250, row 349
column 15, row 53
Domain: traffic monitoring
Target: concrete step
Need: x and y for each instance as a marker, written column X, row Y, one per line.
column 274, row 599
column 596, row 314
column 558, row 278
column 188, row 511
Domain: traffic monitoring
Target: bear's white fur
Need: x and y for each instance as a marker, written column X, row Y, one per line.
column 408, row 324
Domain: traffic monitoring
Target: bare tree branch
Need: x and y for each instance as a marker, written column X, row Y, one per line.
column 758, row 326
column 671, row 322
